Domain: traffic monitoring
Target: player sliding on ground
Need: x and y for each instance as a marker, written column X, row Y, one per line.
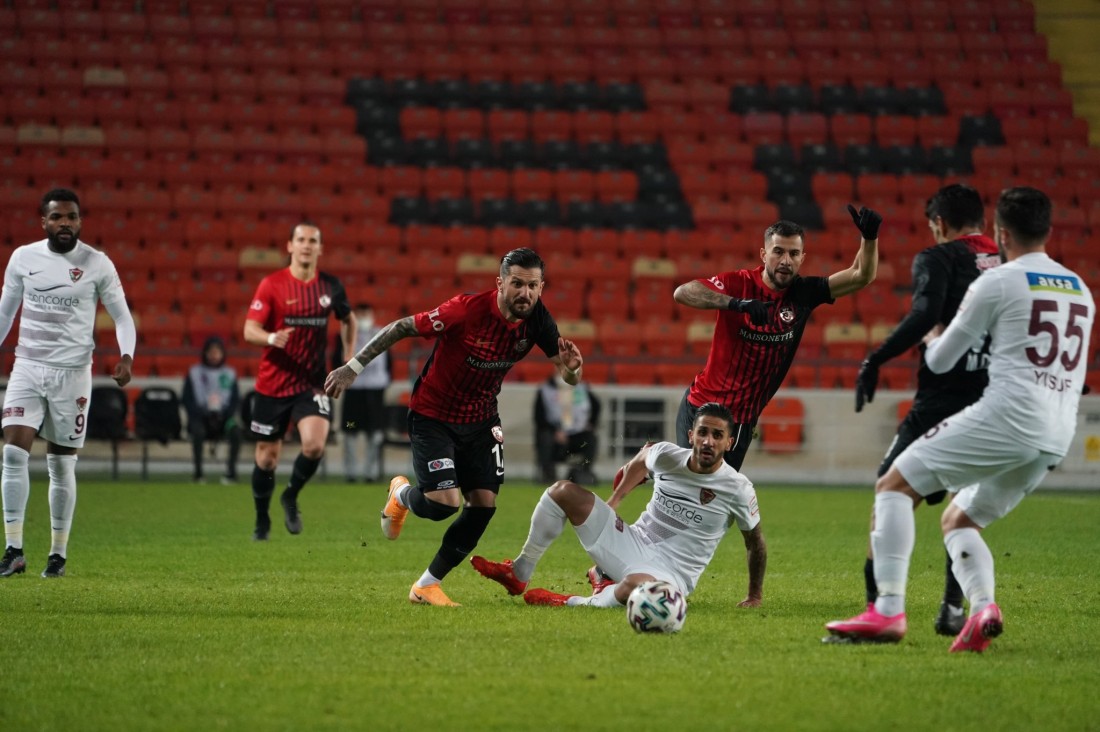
column 696, row 498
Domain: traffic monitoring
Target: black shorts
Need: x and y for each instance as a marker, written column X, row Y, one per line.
column 447, row 455
column 272, row 416
column 364, row 410
column 743, row 433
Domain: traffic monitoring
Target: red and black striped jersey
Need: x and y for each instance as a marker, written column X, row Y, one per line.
column 474, row 350
column 283, row 301
column 747, row 362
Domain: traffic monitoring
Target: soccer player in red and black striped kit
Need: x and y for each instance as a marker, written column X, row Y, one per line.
column 289, row 318
column 941, row 275
column 454, row 425
column 762, row 314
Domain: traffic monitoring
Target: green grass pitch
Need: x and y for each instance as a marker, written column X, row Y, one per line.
column 171, row 618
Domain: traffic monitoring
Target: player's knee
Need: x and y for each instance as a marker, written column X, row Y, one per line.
column 563, row 491
column 892, row 481
column 434, row 507
column 16, row 457
column 313, row 451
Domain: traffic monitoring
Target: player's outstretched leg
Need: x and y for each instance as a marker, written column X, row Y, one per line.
column 539, row 596
column 431, row 594
column 598, row 579
column 980, row 629
column 394, row 512
column 501, row 572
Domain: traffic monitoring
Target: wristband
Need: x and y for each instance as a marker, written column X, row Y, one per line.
column 573, row 372
column 355, row 366
column 271, row 339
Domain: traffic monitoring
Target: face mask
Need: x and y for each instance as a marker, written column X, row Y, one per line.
column 366, row 322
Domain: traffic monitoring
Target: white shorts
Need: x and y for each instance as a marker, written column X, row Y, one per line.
column 970, row 456
column 619, row 549
column 53, row 401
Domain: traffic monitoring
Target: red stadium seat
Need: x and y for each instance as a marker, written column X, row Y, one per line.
column 782, row 424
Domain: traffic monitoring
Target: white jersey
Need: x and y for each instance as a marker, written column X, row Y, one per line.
column 59, row 294
column 1039, row 315
column 689, row 513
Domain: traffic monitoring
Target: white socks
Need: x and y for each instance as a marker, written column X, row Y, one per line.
column 15, row 484
column 62, row 469
column 892, row 543
column 972, row 563
column 547, row 523
column 402, row 495
column 605, row 598
column 427, row 579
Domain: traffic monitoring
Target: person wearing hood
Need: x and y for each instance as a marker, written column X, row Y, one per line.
column 211, row 396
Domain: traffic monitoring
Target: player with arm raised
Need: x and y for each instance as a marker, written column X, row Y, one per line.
column 454, row 422
column 762, row 314
column 696, row 498
column 57, row 282
column 993, row 454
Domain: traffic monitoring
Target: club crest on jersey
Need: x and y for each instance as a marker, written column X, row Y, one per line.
column 618, row 524
column 75, row 274
column 498, row 434
column 786, row 315
column 81, row 403
column 521, row 345
column 325, row 301
column 257, row 305
column 706, row 495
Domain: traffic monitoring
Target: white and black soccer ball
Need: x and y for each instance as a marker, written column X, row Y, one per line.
column 656, row 607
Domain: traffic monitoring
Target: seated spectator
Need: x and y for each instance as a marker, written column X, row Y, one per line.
column 211, row 396
column 565, row 429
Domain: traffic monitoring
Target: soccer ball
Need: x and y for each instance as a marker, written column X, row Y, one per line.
column 656, row 607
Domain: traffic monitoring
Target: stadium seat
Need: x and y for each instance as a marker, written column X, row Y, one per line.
column 781, row 425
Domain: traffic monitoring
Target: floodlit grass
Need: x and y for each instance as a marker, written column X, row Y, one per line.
column 171, row 618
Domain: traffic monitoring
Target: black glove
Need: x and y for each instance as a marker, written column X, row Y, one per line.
column 759, row 311
column 867, row 221
column 866, row 383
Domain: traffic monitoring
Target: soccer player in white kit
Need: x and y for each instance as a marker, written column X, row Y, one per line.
column 696, row 498
column 996, row 451
column 57, row 281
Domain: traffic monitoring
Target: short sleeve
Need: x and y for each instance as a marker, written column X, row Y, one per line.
column 548, row 336
column 260, row 309
column 746, row 512
column 433, row 323
column 660, row 457
column 341, row 306
column 724, row 282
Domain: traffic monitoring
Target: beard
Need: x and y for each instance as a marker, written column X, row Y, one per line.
column 63, row 247
column 520, row 314
column 783, row 284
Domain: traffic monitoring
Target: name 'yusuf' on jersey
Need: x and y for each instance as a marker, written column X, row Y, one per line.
column 60, row 292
